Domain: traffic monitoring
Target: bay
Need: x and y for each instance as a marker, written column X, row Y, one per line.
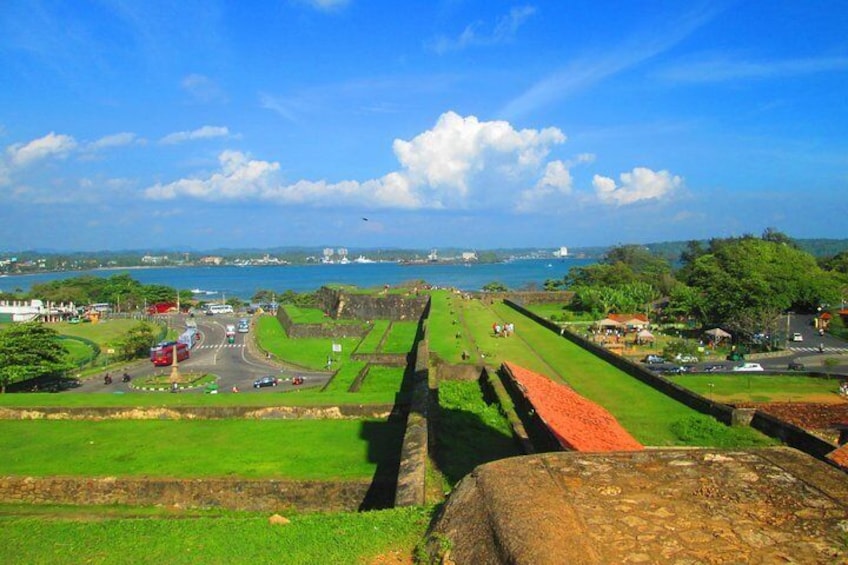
column 243, row 282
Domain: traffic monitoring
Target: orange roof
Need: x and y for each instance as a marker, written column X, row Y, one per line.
column 621, row 318
column 840, row 456
column 577, row 423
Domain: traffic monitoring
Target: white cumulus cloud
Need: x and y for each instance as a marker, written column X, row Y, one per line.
column 204, row 132
column 461, row 162
column 640, row 184
column 51, row 145
column 239, row 178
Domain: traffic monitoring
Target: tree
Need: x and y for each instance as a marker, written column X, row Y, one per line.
column 495, row 286
column 746, row 282
column 29, row 351
column 137, row 341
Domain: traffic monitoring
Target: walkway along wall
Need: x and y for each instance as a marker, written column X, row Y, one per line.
column 412, row 473
column 790, row 434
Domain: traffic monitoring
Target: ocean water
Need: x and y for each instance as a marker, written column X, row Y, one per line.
column 243, row 282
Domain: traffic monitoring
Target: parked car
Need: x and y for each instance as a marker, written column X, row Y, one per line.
column 714, row 368
column 653, row 359
column 797, row 337
column 265, row 381
column 682, row 358
column 748, row 367
column 796, row 366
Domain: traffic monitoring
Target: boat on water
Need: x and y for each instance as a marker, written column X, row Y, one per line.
column 201, row 291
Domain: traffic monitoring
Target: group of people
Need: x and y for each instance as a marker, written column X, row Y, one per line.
column 107, row 378
column 503, row 330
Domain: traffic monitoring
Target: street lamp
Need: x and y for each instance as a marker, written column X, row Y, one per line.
column 175, row 370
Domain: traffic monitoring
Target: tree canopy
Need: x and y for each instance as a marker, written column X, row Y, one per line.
column 29, row 351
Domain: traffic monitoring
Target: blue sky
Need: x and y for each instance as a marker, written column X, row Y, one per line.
column 480, row 124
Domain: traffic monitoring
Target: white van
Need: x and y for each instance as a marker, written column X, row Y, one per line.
column 748, row 367
column 243, row 326
column 220, row 309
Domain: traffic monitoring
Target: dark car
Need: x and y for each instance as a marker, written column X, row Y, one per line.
column 265, row 381
column 652, row 359
column 796, row 366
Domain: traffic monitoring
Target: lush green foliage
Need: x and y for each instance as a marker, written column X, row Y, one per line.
column 294, row 449
column 680, row 347
column 137, row 341
column 29, row 351
column 748, row 282
column 121, row 290
column 108, row 535
column 495, row 286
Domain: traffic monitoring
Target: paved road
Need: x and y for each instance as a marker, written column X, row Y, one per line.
column 233, row 363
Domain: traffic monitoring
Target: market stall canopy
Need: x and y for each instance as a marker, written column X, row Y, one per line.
column 718, row 333
column 645, row 335
column 608, row 323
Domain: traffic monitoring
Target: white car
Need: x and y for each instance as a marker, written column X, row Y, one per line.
column 748, row 367
column 797, row 337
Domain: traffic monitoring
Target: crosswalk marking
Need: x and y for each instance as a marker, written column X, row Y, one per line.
column 817, row 350
column 221, row 346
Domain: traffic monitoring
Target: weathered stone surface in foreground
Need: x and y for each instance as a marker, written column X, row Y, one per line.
column 773, row 505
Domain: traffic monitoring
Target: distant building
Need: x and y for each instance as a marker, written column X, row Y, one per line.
column 211, row 260
column 563, row 252
column 469, row 255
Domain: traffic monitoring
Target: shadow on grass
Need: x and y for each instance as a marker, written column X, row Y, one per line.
column 385, row 442
column 466, row 437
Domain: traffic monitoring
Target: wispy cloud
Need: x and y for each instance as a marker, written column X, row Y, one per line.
column 723, row 70
column 204, row 132
column 114, row 140
column 203, row 89
column 479, row 33
column 589, row 70
column 326, row 5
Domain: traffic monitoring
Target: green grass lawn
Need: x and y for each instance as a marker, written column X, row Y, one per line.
column 105, row 333
column 736, row 388
column 292, row 449
column 382, row 380
column 648, row 414
column 470, row 431
column 107, row 535
column 371, row 341
column 446, row 334
column 309, row 353
column 401, row 337
column 79, row 352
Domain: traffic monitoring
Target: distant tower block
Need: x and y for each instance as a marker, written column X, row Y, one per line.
column 563, row 252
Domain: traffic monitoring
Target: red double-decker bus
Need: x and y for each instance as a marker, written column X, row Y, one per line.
column 163, row 353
